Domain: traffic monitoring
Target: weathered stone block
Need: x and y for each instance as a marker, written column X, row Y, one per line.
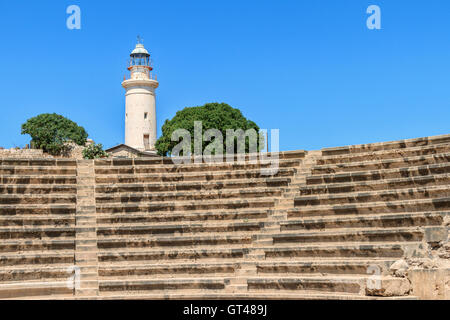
column 436, row 234
column 430, row 284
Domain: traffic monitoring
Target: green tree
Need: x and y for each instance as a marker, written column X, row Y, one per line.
column 218, row 116
column 51, row 132
column 94, row 151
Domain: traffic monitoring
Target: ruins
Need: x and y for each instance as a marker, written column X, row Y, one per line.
column 357, row 222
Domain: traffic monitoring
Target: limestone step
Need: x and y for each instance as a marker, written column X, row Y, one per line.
column 32, row 232
column 207, row 272
column 382, row 174
column 138, row 270
column 37, row 199
column 421, row 205
column 382, row 164
column 392, row 235
column 215, row 167
column 32, row 209
column 38, row 179
column 34, row 220
column 30, row 289
column 374, row 196
column 346, row 283
column 173, row 284
column 194, row 186
column 185, row 205
column 23, row 245
column 386, row 154
column 170, row 254
column 340, row 250
column 399, row 144
column 325, row 266
column 37, row 189
column 35, row 273
column 374, row 220
column 297, row 154
column 356, row 284
column 183, row 216
column 221, row 295
column 37, row 258
column 174, row 241
column 38, row 162
column 158, row 229
column 169, row 177
column 389, row 184
column 199, row 269
column 155, row 197
column 34, row 170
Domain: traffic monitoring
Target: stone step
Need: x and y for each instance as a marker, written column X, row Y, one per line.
column 402, row 234
column 285, row 155
column 194, row 186
column 37, row 189
column 207, row 272
column 383, row 164
column 21, row 209
column 356, row 284
column 33, row 170
column 22, row 245
column 184, row 206
column 325, row 267
column 37, row 199
column 390, row 184
column 38, row 162
column 143, row 169
column 374, row 220
column 23, row 220
column 183, row 216
column 308, row 266
column 388, row 286
column 374, row 196
column 421, row 205
column 156, row 197
column 37, row 258
column 163, row 284
column 222, row 295
column 38, row 179
column 63, row 272
column 170, row 254
column 347, row 250
column 33, row 232
column 376, row 175
column 137, row 270
column 169, row 177
column 171, row 229
column 386, row 154
column 30, row 289
column 173, row 241
column 399, row 144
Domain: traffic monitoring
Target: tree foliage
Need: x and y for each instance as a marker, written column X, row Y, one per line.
column 94, row 151
column 51, row 132
column 218, row 116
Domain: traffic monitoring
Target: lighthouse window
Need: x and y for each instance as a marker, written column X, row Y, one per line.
column 145, row 116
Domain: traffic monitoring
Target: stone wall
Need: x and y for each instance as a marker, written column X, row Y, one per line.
column 23, row 153
column 74, row 152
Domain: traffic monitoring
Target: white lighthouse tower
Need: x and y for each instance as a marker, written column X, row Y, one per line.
column 140, row 110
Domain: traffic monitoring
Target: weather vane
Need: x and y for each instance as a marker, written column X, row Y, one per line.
column 140, row 40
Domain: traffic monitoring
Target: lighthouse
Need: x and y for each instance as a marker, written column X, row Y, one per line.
column 140, row 105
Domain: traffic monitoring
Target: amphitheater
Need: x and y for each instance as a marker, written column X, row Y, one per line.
column 359, row 222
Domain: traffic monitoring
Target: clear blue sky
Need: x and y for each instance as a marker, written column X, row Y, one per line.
column 310, row 68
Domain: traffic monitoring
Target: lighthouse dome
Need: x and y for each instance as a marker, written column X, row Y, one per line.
column 140, row 49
